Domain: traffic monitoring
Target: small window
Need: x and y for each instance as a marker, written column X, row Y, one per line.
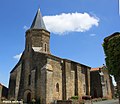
column 28, row 47
column 29, row 80
column 23, row 64
column 45, row 47
column 57, row 87
column 84, row 87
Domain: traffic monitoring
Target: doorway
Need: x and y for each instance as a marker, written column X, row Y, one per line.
column 28, row 97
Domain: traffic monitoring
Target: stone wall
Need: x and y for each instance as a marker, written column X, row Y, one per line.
column 42, row 87
column 53, row 80
column 76, row 79
column 45, row 39
column 21, row 85
column 72, row 82
column 18, row 76
column 37, row 38
column 38, row 76
column 15, row 82
column 84, row 80
column 95, row 84
column 101, row 79
column 0, row 92
column 107, row 85
column 81, row 81
column 87, row 76
column 3, row 92
column 26, row 77
column 67, row 80
column 12, row 85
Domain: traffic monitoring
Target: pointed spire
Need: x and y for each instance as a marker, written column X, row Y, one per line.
column 38, row 22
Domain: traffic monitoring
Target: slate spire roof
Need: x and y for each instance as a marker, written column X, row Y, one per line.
column 38, row 22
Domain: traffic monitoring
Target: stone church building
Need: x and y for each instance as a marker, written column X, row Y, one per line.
column 43, row 77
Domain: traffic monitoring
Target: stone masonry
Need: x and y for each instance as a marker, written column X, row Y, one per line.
column 101, row 84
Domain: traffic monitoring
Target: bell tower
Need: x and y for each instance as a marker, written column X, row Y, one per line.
column 37, row 37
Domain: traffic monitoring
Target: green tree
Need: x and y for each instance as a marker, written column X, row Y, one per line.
column 111, row 47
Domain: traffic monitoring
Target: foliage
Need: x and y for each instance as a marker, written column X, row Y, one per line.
column 33, row 101
column 74, row 97
column 104, row 99
column 116, row 94
column 111, row 47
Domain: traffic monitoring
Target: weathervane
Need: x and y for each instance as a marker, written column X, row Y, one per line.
column 38, row 3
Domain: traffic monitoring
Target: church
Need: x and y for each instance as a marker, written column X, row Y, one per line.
column 42, row 77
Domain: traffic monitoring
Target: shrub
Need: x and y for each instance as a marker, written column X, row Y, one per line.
column 74, row 97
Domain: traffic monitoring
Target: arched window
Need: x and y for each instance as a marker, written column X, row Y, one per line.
column 57, row 87
column 29, row 80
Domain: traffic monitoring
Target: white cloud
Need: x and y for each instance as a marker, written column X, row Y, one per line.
column 17, row 56
column 92, row 34
column 25, row 27
column 71, row 22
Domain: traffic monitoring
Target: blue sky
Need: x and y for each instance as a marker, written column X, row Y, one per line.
column 82, row 46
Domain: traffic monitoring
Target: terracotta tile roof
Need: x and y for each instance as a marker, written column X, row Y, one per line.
column 94, row 69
